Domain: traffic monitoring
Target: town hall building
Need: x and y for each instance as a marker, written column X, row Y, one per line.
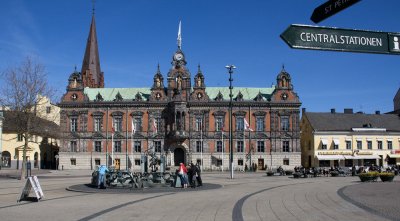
column 176, row 116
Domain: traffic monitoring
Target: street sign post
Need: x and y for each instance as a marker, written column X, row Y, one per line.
column 330, row 8
column 337, row 39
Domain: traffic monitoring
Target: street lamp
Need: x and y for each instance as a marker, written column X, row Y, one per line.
column 230, row 71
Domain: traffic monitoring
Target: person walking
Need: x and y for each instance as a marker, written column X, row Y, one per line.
column 101, row 180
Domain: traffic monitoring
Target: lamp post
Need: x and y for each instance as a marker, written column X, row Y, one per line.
column 230, row 71
column 1, row 135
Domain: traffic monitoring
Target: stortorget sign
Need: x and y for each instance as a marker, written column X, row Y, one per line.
column 330, row 8
column 338, row 39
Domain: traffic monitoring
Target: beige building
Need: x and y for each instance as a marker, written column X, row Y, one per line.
column 347, row 139
column 43, row 146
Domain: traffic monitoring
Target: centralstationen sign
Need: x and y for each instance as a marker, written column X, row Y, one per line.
column 337, row 39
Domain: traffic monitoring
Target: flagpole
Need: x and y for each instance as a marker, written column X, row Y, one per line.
column 112, row 148
column 223, row 146
column 133, row 143
column 201, row 141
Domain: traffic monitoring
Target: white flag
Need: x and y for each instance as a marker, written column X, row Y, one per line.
column 246, row 125
column 179, row 36
column 133, row 127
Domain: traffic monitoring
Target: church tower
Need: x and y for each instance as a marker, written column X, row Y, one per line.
column 91, row 73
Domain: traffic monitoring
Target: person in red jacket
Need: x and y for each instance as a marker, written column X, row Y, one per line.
column 183, row 175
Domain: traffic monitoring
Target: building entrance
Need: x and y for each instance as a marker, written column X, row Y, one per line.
column 179, row 156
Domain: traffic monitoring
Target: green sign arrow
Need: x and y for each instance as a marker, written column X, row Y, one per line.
column 337, row 39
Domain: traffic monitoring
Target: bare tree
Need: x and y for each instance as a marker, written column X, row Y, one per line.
column 24, row 87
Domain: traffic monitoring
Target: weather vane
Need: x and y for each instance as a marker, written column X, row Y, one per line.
column 93, row 6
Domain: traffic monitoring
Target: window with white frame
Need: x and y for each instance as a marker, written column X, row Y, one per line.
column 97, row 146
column 260, row 146
column 389, row 145
column 239, row 123
column 285, row 123
column 199, row 123
column 157, row 146
column 117, row 146
column 260, row 124
column 137, row 122
column 369, row 145
column 380, row 145
column 348, row 145
column 117, row 123
column 74, row 124
column 219, row 123
column 138, row 146
column 359, row 144
column 285, row 146
column 239, row 146
column 199, row 146
column 219, row 146
column 97, row 123
column 73, row 146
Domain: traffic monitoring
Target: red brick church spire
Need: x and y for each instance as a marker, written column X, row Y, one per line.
column 91, row 72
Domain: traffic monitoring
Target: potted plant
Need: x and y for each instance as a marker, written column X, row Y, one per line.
column 386, row 176
column 288, row 172
column 334, row 173
column 270, row 173
column 296, row 175
column 370, row 176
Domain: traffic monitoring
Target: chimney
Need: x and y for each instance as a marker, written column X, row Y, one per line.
column 348, row 110
column 377, row 112
column 303, row 110
column 333, row 111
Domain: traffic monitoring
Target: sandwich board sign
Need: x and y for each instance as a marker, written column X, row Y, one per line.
column 339, row 39
column 31, row 182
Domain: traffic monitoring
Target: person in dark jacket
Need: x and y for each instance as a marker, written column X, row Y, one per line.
column 198, row 175
column 193, row 173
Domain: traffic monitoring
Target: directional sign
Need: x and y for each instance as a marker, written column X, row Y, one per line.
column 337, row 39
column 330, row 8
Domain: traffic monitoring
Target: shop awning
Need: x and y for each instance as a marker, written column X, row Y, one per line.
column 394, row 155
column 367, row 157
column 336, row 141
column 330, row 157
column 324, row 141
column 349, row 157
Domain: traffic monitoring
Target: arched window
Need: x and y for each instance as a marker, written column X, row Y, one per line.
column 6, row 159
column 36, row 160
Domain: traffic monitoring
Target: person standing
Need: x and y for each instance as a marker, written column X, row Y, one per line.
column 198, row 175
column 193, row 175
column 101, row 180
column 183, row 175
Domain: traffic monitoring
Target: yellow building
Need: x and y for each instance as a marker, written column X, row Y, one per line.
column 42, row 148
column 347, row 139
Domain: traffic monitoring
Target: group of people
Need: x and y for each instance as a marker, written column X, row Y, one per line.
column 189, row 175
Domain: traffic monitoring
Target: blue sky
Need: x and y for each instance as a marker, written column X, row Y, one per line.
column 134, row 36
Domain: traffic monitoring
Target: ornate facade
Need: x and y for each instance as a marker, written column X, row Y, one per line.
column 183, row 121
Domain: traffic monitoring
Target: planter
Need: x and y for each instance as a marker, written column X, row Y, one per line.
column 270, row 173
column 289, row 172
column 334, row 173
column 296, row 175
column 367, row 177
column 386, row 177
